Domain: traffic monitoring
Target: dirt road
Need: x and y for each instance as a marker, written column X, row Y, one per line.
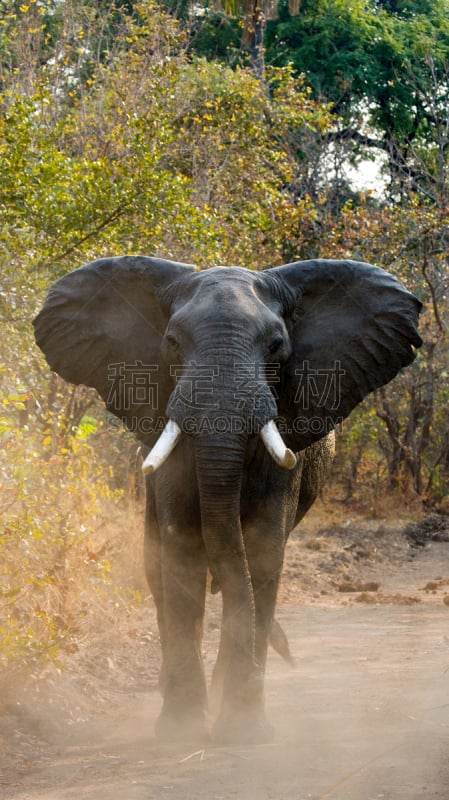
column 364, row 715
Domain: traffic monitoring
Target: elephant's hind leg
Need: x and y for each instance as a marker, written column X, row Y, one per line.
column 265, row 553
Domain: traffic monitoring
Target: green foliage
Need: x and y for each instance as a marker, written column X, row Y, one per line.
column 327, row 41
column 234, row 143
column 360, row 51
column 216, row 36
column 383, row 66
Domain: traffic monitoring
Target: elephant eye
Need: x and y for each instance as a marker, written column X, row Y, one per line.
column 172, row 342
column 275, row 344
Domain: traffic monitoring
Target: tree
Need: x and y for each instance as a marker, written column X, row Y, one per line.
column 411, row 241
column 383, row 66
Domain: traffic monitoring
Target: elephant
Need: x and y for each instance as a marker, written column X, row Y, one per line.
column 234, row 381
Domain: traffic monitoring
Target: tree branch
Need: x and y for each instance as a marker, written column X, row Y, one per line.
column 350, row 134
column 107, row 221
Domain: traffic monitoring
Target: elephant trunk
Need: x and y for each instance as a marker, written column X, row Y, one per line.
column 219, row 462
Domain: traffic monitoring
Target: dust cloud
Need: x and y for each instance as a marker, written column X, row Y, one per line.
column 364, row 714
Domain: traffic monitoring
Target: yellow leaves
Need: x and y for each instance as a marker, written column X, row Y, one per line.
column 41, row 582
column 58, row 504
column 128, row 595
column 15, row 400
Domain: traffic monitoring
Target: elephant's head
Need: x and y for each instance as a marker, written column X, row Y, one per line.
column 221, row 354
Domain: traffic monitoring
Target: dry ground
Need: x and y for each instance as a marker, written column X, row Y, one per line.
column 364, row 713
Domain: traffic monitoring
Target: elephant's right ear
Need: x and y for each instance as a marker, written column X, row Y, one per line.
column 353, row 327
column 102, row 325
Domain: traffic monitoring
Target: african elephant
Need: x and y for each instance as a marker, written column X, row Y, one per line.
column 234, row 380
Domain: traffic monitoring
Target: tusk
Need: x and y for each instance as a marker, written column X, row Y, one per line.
column 163, row 447
column 276, row 447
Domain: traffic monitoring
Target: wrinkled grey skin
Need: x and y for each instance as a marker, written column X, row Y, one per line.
column 226, row 350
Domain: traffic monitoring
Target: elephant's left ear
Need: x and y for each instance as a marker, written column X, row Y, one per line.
column 102, row 326
column 353, row 327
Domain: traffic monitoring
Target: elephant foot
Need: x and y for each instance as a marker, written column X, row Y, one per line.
column 183, row 726
column 240, row 726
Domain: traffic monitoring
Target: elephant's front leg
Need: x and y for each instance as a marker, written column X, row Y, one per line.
column 242, row 714
column 153, row 570
column 184, row 710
